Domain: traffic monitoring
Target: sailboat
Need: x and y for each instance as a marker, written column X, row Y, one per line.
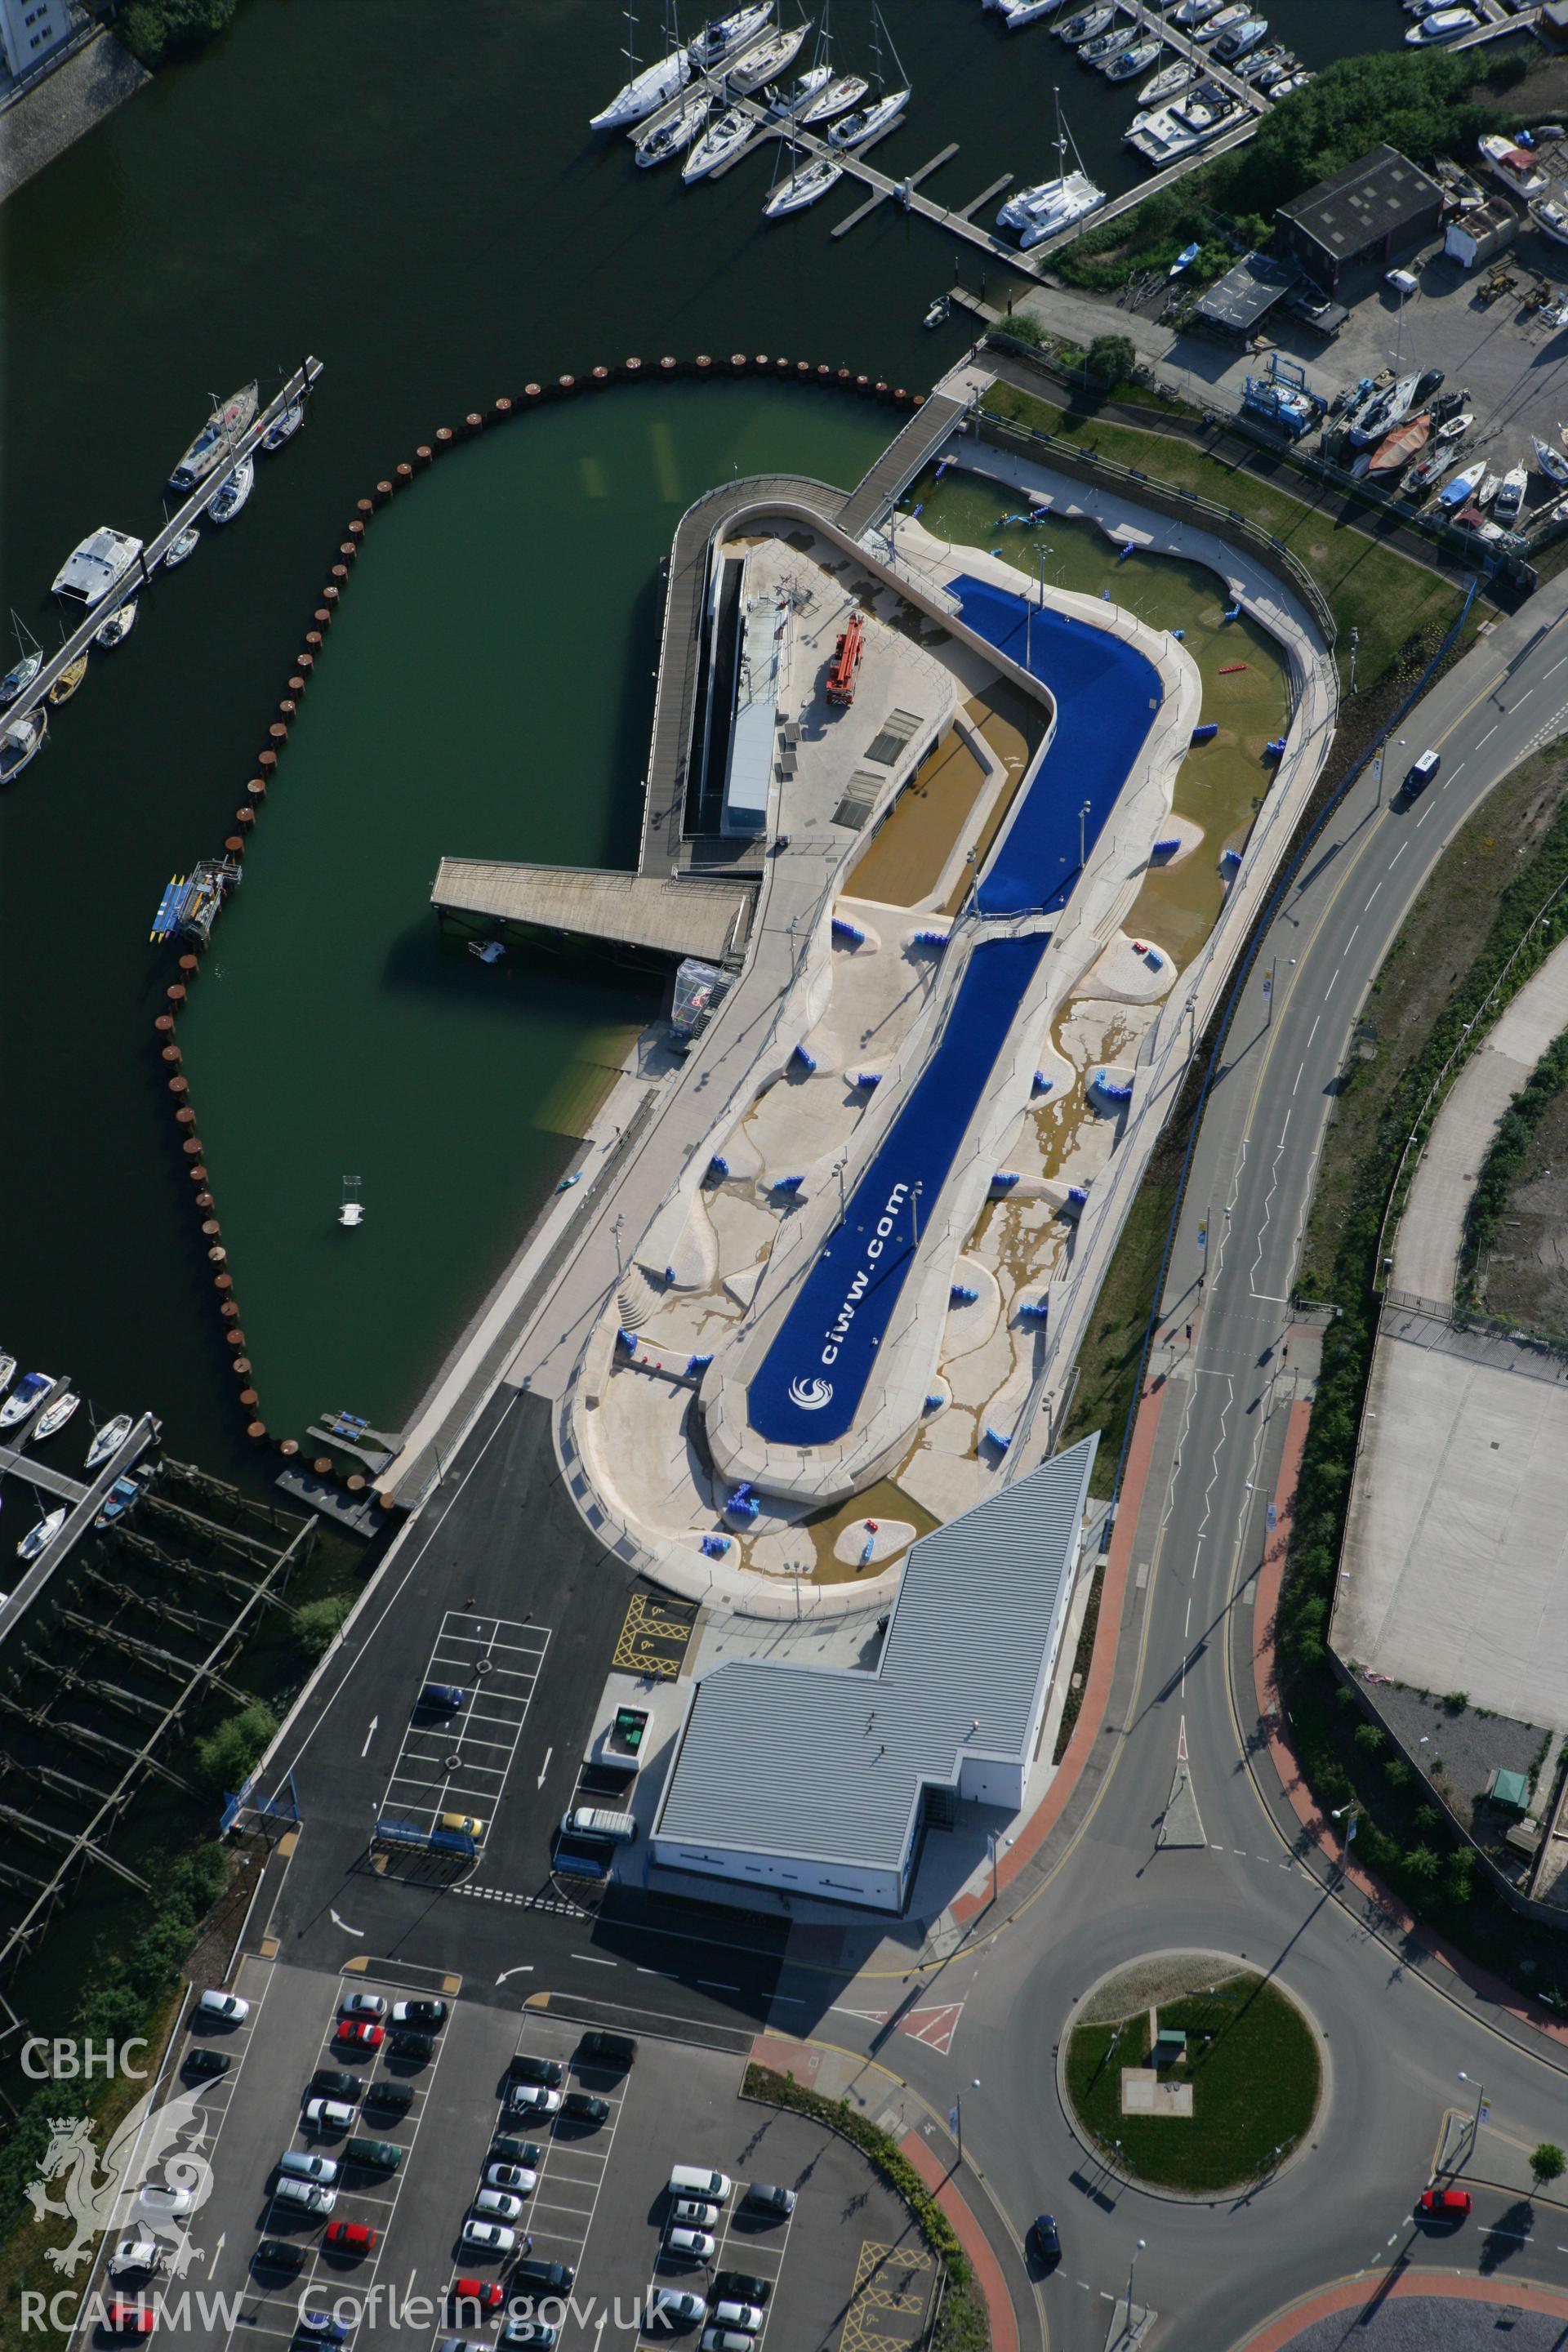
column 869, row 121
column 1551, row 462
column 27, row 668
column 109, row 1440
column 803, row 187
column 720, row 38
column 38, row 1538
column 118, row 626
column 718, row 143
column 1052, row 205
column 677, row 131
column 768, row 59
column 801, row 91
column 647, row 88
column 216, row 436
column 351, row 1211
column 20, row 742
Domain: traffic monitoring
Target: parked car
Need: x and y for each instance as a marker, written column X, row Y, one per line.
column 374, row 2154
column 699, row 2181
column 741, row 2286
column 308, row 2196
column 525, row 2068
column 156, row 2197
column 337, row 2083
column 729, row 2313
column 321, row 2328
column 443, row 1698
column 765, row 2196
column 227, row 2007
column 496, row 2205
column 487, row 2237
column 351, row 2238
column 1046, row 2239
column 360, row 2034
column 329, row 2115
column 302, row 2164
column 614, row 2052
column 205, row 2065
column 699, row 2245
column 278, row 2255
column 532, row 2099
column 135, row 2254
column 362, row 2004
column 530, row 2331
column 396, row 2098
column 1443, row 2204
column 584, row 2108
column 690, row 2213
column 485, row 2293
column 462, row 1825
column 535, row 2270
column 520, row 2178
column 418, row 2047
column 429, row 2013
column 132, row 2319
column 727, row 2339
column 517, row 2151
column 677, row 2303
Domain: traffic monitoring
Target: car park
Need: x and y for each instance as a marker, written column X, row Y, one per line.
column 535, row 2270
column 690, row 2213
column 329, row 2115
column 699, row 2245
column 497, row 2205
column 677, row 2303
column 363, row 2004
column 156, row 2197
column 226, row 2008
column 614, row 2052
column 525, row 2068
column 529, row 2331
column 526, row 2152
column 337, row 2083
column 1046, row 2237
column 427, row 2013
column 134, row 2255
column 360, row 2033
column 532, row 2099
column 132, row 2319
column 444, row 1698
column 741, row 2286
column 487, row 2237
column 765, row 2196
column 321, row 2328
column 374, row 2154
column 485, row 2293
column 581, row 2107
column 418, row 2047
column 351, row 2238
column 301, row 2164
column 1443, row 2204
column 517, row 2178
column 278, row 2255
column 309, row 2196
column 727, row 2339
column 697, row 2180
column 726, row 2313
column 205, row 2065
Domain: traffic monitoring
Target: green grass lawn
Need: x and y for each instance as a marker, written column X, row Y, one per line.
column 1372, row 588
column 1253, row 2064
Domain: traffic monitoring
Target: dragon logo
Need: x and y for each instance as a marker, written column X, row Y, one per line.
column 166, row 2140
column 811, row 1395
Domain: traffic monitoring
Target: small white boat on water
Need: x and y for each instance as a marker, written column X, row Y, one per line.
column 1168, row 83
column 1442, row 24
column 1194, row 13
column 722, row 36
column 1106, row 47
column 109, row 1440
column 1017, row 14
column 1086, row 24
column 721, row 140
column 645, row 88
column 215, row 440
column 350, row 1211
column 27, row 668
column 802, row 187
column 19, row 742
column 800, row 93
column 843, row 91
column 1226, row 21
column 55, row 1415
column 675, row 134
column 283, row 427
column 1551, row 462
column 7, row 1370
column 118, row 626
column 763, row 63
column 38, row 1538
column 180, row 549
column 1135, row 60
column 867, row 122
column 234, row 493
column 25, row 1398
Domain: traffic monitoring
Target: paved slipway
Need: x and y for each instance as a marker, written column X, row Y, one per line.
column 1192, row 1572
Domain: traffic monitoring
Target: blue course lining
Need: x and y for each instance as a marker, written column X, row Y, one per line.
column 808, row 1387
column 1107, row 696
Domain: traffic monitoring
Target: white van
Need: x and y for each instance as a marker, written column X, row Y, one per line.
column 594, row 1822
column 696, row 2181
column 1421, row 773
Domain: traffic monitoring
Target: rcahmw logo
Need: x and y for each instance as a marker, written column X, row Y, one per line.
column 813, row 1395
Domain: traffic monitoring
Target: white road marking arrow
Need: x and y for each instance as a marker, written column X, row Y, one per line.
column 525, row 1969
column 344, row 1924
column 545, row 1768
column 370, row 1735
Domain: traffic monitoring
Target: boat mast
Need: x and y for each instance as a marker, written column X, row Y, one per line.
column 630, row 52
column 875, row 24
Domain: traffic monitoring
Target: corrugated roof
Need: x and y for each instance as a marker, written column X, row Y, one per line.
column 1376, row 194
column 831, row 1764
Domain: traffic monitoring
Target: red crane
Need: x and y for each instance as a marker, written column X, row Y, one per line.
column 845, row 668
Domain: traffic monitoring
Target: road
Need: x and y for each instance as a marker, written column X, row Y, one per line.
column 1394, row 2039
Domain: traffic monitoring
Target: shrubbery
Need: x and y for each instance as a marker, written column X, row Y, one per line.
column 156, row 30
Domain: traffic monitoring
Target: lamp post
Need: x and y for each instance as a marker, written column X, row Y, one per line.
column 1355, row 640
column 1083, row 816
column 838, row 1172
column 1480, row 2115
column 1340, row 1812
column 915, row 1191
column 1131, row 2266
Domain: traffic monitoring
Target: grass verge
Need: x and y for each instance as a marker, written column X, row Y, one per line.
column 1400, row 609
column 1253, row 2065
column 964, row 2325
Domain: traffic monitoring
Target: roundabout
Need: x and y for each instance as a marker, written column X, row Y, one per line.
column 1191, row 2074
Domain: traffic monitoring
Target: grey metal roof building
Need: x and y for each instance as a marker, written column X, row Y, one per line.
column 1235, row 303
column 1376, row 206
column 820, row 1781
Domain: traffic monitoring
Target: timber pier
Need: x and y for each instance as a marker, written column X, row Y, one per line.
column 84, row 1500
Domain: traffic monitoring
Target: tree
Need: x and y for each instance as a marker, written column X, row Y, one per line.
column 227, row 1754
column 157, row 29
column 1112, row 358
column 1547, row 2163
column 317, row 1622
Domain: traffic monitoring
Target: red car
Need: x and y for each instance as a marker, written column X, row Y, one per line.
column 1443, row 2204
column 361, row 2037
column 132, row 2319
column 351, row 2237
column 485, row 2293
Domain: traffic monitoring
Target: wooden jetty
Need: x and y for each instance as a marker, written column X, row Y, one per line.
column 84, row 1502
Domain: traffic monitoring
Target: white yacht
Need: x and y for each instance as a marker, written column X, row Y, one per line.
column 647, row 88
column 1442, row 24
column 1226, row 22
column 1016, row 14
column 718, row 143
column 1515, row 166
column 1135, row 60
column 1193, row 12
column 854, row 130
column 1168, row 83
column 1052, row 205
column 675, row 132
column 801, row 91
column 118, row 626
column 802, row 188
column 761, row 64
column 722, row 36
column 96, row 565
column 843, row 90
column 1181, row 130
column 1550, row 217
column 38, row 1538
column 227, row 421
column 228, row 501
column 1238, row 41
column 26, row 1397
column 110, row 1439
column 1087, row 24
column 19, row 742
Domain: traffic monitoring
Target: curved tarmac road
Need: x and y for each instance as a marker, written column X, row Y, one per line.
column 1398, row 2029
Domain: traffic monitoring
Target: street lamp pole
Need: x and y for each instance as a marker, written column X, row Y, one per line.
column 1480, row 2091
column 1130, row 2268
column 1355, row 640
column 1082, row 836
column 915, row 1191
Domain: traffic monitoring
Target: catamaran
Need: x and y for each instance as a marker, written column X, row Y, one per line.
column 1052, row 205
column 230, row 417
column 718, row 143
column 646, row 88
column 678, row 131
column 802, row 187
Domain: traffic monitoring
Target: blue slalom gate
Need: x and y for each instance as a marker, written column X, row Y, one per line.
column 808, row 1387
column 1108, row 695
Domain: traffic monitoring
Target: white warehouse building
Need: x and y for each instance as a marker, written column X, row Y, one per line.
column 821, row 1781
